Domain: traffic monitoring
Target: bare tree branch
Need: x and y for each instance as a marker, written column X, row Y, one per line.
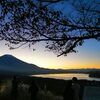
column 28, row 22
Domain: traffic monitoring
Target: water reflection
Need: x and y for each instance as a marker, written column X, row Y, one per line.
column 67, row 76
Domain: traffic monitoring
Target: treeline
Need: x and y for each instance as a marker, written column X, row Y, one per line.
column 95, row 74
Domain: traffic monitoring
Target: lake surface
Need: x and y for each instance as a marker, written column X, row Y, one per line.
column 67, row 76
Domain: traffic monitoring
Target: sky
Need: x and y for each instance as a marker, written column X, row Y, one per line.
column 88, row 56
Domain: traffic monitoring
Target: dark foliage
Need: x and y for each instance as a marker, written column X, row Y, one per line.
column 26, row 22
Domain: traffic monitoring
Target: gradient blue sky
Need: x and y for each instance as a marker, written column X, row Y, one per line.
column 87, row 57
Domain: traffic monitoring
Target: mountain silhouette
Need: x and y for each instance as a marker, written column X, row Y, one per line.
column 12, row 65
column 9, row 63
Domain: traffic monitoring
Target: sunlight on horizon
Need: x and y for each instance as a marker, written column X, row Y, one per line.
column 87, row 57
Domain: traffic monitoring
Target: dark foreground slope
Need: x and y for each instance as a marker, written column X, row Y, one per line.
column 46, row 85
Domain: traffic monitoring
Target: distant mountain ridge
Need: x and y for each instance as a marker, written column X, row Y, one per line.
column 11, row 60
column 12, row 65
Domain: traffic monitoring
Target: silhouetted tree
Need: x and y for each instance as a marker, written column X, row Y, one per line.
column 33, row 89
column 14, row 90
column 30, row 21
column 76, row 88
column 68, row 92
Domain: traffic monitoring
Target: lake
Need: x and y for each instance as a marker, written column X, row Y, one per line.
column 67, row 76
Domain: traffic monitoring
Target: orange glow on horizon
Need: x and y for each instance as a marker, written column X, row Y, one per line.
column 88, row 57
column 91, row 66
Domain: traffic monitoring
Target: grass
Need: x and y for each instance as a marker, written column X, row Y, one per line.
column 49, row 89
column 23, row 91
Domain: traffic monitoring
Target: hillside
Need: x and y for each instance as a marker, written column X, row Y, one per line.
column 11, row 64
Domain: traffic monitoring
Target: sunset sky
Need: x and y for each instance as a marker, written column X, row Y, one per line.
column 88, row 55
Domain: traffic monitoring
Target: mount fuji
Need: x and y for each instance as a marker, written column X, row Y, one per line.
column 12, row 65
